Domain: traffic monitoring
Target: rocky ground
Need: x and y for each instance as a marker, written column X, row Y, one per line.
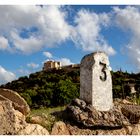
column 78, row 118
column 123, row 119
column 13, row 122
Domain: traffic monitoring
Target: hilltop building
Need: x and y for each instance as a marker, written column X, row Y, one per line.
column 51, row 65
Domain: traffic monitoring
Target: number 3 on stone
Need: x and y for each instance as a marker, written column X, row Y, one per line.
column 103, row 76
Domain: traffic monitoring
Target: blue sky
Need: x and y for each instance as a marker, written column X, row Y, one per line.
column 30, row 35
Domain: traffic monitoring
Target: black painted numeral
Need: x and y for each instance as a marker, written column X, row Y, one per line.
column 103, row 76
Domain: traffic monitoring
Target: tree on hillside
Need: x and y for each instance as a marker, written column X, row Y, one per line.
column 65, row 92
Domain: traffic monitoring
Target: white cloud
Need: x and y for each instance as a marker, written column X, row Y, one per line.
column 55, row 27
column 87, row 34
column 6, row 76
column 48, row 20
column 129, row 20
column 47, row 54
column 32, row 65
column 65, row 61
column 3, row 43
column 26, row 45
column 52, row 28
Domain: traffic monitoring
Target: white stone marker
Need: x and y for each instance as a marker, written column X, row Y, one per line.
column 96, row 81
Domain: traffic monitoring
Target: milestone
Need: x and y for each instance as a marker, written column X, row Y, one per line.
column 77, row 99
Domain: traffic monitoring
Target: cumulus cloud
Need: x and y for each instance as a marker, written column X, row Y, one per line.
column 49, row 21
column 129, row 20
column 52, row 28
column 56, row 28
column 32, row 65
column 6, row 76
column 26, row 45
column 3, row 43
column 47, row 54
column 87, row 34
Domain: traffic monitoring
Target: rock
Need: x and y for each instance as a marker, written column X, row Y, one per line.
column 75, row 130
column 17, row 101
column 33, row 129
column 83, row 116
column 45, row 120
column 129, row 129
column 122, row 119
column 60, row 128
column 136, row 130
column 132, row 112
column 90, row 117
column 19, row 121
column 36, row 120
column 96, row 81
column 124, row 101
column 121, row 131
column 41, row 119
column 11, row 120
column 118, row 101
column 79, row 103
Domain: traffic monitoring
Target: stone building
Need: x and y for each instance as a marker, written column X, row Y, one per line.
column 72, row 66
column 132, row 88
column 51, row 65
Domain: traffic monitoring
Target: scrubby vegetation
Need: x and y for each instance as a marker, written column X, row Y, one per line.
column 121, row 81
column 47, row 89
column 46, row 116
column 59, row 87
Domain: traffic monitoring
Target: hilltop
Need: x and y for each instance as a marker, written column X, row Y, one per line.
column 59, row 87
column 47, row 88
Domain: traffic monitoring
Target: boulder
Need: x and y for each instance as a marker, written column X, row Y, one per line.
column 38, row 119
column 132, row 112
column 60, row 128
column 33, row 129
column 136, row 130
column 124, row 101
column 11, row 120
column 75, row 130
column 17, row 101
column 121, row 131
column 45, row 120
column 88, row 116
column 19, row 120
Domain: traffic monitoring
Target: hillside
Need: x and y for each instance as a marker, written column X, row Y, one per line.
column 53, row 88
column 59, row 87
